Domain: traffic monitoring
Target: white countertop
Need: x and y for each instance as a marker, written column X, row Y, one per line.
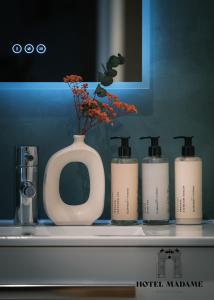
column 109, row 235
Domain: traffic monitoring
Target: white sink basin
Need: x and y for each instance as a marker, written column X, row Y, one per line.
column 107, row 235
column 68, row 231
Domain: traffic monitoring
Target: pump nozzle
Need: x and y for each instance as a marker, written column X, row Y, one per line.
column 124, row 150
column 187, row 149
column 154, row 149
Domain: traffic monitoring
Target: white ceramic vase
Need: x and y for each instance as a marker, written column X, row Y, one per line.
column 57, row 210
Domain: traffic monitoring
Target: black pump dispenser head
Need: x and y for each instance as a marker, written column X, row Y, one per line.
column 187, row 149
column 154, row 149
column 124, row 150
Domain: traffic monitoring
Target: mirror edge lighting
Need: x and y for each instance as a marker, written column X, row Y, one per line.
column 144, row 84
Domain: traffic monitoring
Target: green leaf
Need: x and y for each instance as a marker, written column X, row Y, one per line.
column 113, row 62
column 111, row 72
column 107, row 80
column 100, row 92
column 122, row 59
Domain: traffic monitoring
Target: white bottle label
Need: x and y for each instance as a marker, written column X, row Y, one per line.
column 155, row 190
column 124, row 191
column 188, row 189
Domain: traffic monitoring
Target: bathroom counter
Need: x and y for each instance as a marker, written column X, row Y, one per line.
column 108, row 235
column 48, row 259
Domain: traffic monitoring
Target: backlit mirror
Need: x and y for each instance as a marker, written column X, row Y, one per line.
column 41, row 41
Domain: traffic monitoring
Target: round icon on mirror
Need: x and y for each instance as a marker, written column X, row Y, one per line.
column 29, row 48
column 41, row 48
column 16, row 48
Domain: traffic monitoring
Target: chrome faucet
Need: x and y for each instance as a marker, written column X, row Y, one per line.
column 26, row 185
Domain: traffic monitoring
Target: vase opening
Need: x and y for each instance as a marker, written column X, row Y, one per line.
column 79, row 138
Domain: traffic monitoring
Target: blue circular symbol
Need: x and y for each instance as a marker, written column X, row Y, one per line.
column 29, row 48
column 17, row 48
column 41, row 48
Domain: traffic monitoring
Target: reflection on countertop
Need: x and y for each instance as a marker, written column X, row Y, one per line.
column 105, row 234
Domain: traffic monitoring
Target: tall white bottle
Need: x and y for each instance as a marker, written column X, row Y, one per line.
column 124, row 186
column 188, row 185
column 155, row 185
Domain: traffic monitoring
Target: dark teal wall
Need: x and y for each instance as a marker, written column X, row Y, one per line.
column 181, row 101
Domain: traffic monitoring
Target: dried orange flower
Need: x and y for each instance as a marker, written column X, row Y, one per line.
column 92, row 111
column 72, row 78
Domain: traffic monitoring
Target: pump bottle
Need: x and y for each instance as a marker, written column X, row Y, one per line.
column 124, row 185
column 188, row 184
column 155, row 185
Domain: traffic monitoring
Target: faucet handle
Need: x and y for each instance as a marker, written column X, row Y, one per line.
column 27, row 156
column 28, row 190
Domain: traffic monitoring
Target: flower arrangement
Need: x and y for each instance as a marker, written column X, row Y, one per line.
column 91, row 111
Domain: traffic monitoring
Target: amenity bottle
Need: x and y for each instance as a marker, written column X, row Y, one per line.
column 188, row 184
column 155, row 185
column 124, row 186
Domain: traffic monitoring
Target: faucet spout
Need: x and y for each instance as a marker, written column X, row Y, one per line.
column 26, row 189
